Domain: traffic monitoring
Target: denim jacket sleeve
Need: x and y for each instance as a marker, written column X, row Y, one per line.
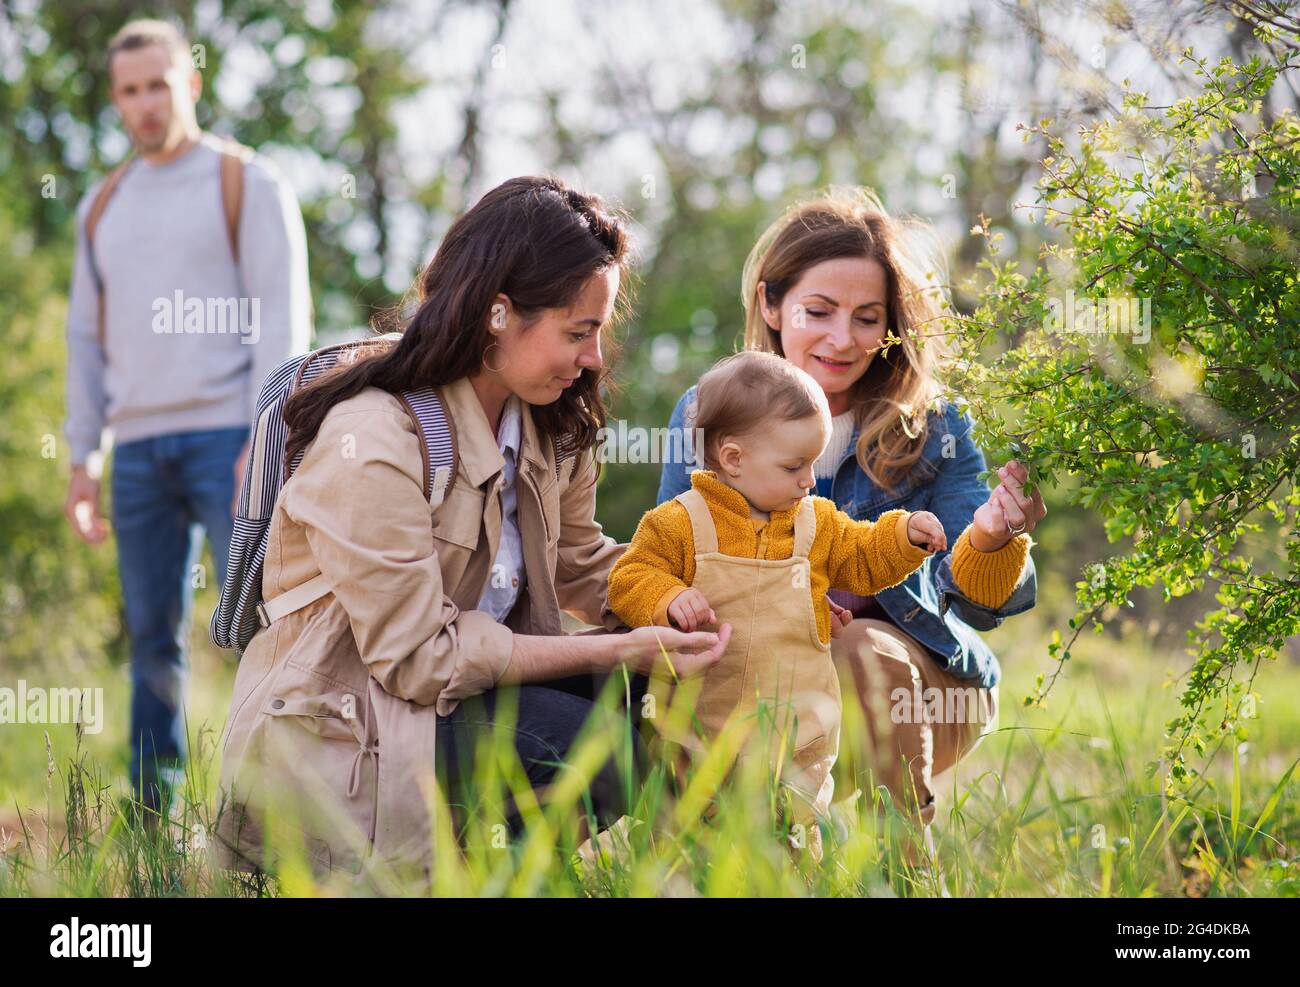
column 675, row 477
column 957, row 494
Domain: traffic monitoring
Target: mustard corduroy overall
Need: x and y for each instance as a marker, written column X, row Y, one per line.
column 774, row 661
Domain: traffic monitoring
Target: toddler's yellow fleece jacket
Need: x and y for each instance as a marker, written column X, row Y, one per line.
column 863, row 557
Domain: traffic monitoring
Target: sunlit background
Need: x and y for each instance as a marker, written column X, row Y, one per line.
column 702, row 120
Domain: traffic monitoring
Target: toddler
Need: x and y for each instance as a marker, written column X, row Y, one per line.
column 747, row 545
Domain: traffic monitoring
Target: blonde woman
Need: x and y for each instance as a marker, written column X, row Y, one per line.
column 839, row 288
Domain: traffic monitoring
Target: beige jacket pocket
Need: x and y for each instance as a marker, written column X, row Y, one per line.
column 323, row 763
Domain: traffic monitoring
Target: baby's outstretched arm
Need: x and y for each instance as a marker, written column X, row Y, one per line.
column 867, row 557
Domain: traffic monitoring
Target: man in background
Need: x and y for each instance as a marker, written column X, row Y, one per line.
column 190, row 286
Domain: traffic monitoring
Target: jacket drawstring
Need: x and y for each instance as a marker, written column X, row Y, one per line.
column 354, row 777
column 367, row 748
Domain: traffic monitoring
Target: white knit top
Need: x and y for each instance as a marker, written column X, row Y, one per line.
column 841, row 432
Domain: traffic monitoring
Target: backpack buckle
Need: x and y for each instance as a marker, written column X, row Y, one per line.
column 262, row 617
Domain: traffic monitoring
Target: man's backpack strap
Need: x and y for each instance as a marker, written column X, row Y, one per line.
column 101, row 198
column 233, row 158
column 93, row 217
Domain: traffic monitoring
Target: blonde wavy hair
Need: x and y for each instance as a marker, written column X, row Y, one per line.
column 890, row 401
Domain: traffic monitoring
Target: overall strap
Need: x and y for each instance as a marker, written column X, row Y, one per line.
column 702, row 529
column 805, row 528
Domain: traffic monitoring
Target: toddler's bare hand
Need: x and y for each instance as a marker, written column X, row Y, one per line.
column 925, row 531
column 690, row 610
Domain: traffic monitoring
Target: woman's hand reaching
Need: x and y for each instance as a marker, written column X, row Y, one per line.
column 650, row 650
column 1008, row 512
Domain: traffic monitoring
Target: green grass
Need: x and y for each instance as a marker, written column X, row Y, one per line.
column 1057, row 802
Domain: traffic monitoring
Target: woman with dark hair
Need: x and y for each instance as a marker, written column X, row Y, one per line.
column 436, row 623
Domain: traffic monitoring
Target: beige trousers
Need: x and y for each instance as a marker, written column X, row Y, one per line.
column 920, row 719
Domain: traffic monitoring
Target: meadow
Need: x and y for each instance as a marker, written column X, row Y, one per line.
column 1059, row 800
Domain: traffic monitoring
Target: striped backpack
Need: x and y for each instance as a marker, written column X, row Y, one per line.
column 241, row 611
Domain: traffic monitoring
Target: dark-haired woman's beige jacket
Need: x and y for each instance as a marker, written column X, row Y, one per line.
column 332, row 721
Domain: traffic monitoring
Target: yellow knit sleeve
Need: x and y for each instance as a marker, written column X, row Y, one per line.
column 988, row 578
column 866, row 557
column 655, row 568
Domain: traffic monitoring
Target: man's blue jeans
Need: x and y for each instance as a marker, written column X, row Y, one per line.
column 166, row 491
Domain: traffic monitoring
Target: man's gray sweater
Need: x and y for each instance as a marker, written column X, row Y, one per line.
column 189, row 334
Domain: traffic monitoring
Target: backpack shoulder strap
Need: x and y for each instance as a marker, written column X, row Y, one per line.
column 437, row 433
column 233, row 158
column 425, row 406
column 438, row 450
column 93, row 217
column 105, row 193
column 566, row 451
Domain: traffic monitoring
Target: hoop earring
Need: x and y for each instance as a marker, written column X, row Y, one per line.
column 488, row 366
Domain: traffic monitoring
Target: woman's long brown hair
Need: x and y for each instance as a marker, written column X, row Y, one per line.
column 534, row 240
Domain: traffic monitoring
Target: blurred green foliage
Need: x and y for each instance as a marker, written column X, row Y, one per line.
column 1154, row 361
column 702, row 120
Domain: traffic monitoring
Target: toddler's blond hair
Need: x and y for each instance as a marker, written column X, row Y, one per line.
column 744, row 392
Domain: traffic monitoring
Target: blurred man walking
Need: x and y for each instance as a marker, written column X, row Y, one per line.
column 190, row 285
